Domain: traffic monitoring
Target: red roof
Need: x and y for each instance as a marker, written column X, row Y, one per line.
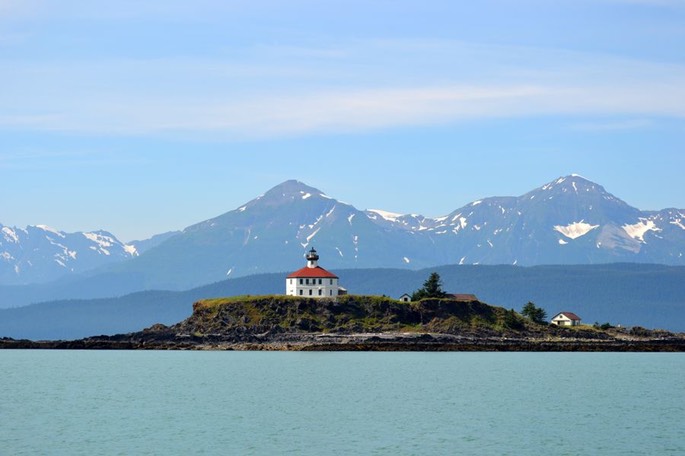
column 312, row 273
column 569, row 315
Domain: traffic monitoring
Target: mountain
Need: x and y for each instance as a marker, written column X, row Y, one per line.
column 570, row 220
column 146, row 244
column 567, row 221
column 627, row 294
column 39, row 254
column 271, row 233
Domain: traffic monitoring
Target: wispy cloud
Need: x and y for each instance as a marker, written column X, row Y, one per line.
column 353, row 86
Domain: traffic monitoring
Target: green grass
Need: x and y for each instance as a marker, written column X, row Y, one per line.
column 348, row 314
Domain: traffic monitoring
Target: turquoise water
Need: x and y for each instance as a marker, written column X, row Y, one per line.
column 138, row 402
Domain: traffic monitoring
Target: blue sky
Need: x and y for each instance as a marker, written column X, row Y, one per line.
column 142, row 117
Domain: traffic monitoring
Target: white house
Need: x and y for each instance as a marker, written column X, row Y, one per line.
column 405, row 298
column 313, row 280
column 566, row 319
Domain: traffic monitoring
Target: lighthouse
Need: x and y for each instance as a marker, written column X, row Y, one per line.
column 312, row 281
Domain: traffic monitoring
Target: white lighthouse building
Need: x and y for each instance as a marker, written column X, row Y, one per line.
column 312, row 280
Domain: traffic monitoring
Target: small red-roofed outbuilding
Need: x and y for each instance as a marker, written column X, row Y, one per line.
column 566, row 319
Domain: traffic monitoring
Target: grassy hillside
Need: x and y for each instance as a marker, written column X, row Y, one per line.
column 347, row 315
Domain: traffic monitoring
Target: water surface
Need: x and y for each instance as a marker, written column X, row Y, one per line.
column 140, row 402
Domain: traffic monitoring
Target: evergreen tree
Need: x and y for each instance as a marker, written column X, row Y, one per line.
column 534, row 313
column 432, row 288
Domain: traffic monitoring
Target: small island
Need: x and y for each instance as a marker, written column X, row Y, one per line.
column 318, row 314
column 369, row 323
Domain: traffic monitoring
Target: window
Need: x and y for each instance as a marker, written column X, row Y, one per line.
column 331, row 281
column 331, row 293
column 320, row 291
column 306, row 281
column 300, row 281
column 300, row 292
column 310, row 292
column 319, row 281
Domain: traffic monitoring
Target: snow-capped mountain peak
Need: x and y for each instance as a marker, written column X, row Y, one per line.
column 568, row 220
column 40, row 253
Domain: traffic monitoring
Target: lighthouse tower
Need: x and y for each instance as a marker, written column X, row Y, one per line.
column 312, row 259
column 312, row 281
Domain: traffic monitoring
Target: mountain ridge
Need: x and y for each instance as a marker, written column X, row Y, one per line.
column 569, row 220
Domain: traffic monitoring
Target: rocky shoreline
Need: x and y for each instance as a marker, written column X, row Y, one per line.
column 364, row 323
column 354, row 342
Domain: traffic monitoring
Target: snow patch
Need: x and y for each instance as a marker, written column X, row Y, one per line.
column 242, row 209
column 562, row 242
column 339, row 252
column 10, row 234
column 228, row 273
column 389, row 216
column 349, row 219
column 101, row 241
column 575, row 229
column 305, row 195
column 678, row 223
column 490, row 243
column 476, row 203
column 6, row 256
column 50, row 230
column 638, row 230
column 311, row 236
column 318, row 219
column 130, row 249
column 462, row 260
column 406, row 260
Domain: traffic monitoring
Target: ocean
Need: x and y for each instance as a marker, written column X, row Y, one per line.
column 320, row 403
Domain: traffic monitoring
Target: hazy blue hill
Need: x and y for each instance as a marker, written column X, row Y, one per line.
column 629, row 294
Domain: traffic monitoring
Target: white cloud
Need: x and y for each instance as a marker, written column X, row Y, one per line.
column 354, row 86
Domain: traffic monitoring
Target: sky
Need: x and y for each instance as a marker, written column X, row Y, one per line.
column 145, row 117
